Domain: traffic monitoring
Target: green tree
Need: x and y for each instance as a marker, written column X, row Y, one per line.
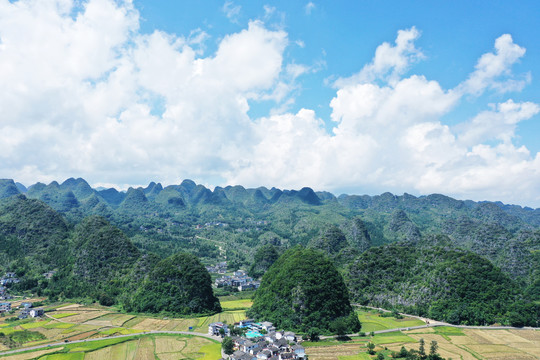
column 227, row 345
column 370, row 346
column 380, row 356
column 421, row 348
column 314, row 333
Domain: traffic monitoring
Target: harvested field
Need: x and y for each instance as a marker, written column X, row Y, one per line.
column 333, row 352
column 150, row 324
column 145, row 349
column 32, row 355
column 84, row 335
column 169, row 345
column 133, row 322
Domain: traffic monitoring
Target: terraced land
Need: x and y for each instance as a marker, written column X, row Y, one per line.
column 454, row 343
column 148, row 347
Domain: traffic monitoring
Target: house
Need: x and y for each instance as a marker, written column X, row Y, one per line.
column 36, row 312
column 289, row 336
column 246, row 322
column 214, row 329
column 26, row 305
column 268, row 326
column 299, row 351
column 5, row 307
column 264, row 355
column 286, row 356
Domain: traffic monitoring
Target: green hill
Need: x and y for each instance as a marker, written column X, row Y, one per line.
column 303, row 290
column 178, row 284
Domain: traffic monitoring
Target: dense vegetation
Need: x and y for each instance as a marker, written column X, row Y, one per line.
column 456, row 286
column 303, row 290
column 178, row 284
column 104, row 243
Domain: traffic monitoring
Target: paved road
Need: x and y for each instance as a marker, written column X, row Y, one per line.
column 217, row 338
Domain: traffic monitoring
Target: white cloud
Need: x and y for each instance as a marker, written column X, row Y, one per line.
column 493, row 69
column 232, row 11
column 389, row 62
column 88, row 95
column 310, row 6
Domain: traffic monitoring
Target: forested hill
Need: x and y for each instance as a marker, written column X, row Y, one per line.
column 234, row 223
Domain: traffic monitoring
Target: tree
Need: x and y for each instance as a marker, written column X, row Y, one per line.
column 314, row 334
column 422, row 349
column 227, row 345
column 433, row 348
column 380, row 356
column 370, row 347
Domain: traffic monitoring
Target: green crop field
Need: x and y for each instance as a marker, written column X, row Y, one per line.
column 372, row 321
column 240, row 304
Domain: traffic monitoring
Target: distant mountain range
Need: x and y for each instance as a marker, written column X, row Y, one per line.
column 232, row 222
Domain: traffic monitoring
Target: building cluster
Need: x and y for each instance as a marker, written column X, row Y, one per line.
column 4, row 295
column 262, row 342
column 28, row 311
column 239, row 280
column 9, row 278
column 219, row 268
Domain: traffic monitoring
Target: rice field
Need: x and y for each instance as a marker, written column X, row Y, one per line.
column 230, row 317
column 240, row 304
column 372, row 321
column 454, row 343
column 150, row 347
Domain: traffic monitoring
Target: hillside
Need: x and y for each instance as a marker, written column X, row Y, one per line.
column 303, row 290
column 238, row 224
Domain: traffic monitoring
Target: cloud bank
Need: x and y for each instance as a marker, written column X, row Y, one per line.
column 85, row 93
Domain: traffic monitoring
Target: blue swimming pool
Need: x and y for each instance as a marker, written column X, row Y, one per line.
column 252, row 334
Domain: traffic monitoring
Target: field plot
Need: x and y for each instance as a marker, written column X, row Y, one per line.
column 110, row 319
column 372, row 321
column 454, row 343
column 229, row 316
column 77, row 316
column 162, row 347
column 241, row 304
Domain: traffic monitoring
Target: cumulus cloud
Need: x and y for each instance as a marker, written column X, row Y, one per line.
column 493, row 70
column 389, row 62
column 85, row 94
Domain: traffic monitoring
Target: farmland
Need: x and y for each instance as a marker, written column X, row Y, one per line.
column 77, row 322
column 372, row 321
column 142, row 347
column 454, row 343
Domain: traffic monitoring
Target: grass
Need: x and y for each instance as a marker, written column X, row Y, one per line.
column 372, row 321
column 211, row 351
column 34, row 325
column 68, row 356
column 392, row 337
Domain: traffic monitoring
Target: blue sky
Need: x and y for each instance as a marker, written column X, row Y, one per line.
column 359, row 97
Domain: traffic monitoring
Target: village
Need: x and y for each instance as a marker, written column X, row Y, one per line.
column 239, row 280
column 259, row 341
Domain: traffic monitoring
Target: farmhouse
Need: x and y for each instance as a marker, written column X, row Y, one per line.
column 36, row 312
column 255, row 346
column 5, row 306
column 214, row 329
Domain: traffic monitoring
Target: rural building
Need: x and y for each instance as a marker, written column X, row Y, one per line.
column 36, row 312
